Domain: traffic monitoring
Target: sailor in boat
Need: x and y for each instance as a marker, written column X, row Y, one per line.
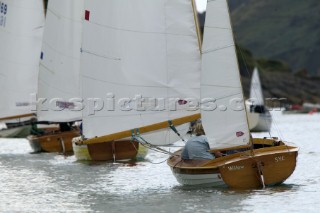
column 65, row 126
column 34, row 128
column 197, row 147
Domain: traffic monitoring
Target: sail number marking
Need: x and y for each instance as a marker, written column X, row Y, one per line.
column 279, row 159
column 3, row 13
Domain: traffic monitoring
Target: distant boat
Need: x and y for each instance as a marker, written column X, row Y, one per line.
column 59, row 73
column 302, row 108
column 259, row 116
column 21, row 29
column 247, row 162
column 137, row 55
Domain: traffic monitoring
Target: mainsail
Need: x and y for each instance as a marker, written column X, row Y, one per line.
column 223, row 111
column 21, row 29
column 256, row 96
column 140, row 64
column 59, row 84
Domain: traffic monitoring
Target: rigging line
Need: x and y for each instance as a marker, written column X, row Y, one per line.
column 247, row 70
column 222, row 28
column 158, row 162
column 264, row 118
column 134, row 139
column 217, row 49
column 274, row 120
column 137, row 136
column 228, row 96
column 215, row 85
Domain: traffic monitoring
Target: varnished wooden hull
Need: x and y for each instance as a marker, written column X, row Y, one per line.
column 108, row 151
column 60, row 142
column 269, row 166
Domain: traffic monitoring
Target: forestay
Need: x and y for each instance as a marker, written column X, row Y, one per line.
column 21, row 29
column 223, row 113
column 256, row 96
column 59, row 73
column 139, row 49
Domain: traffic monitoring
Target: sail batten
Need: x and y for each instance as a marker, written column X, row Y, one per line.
column 59, row 81
column 225, row 123
column 138, row 48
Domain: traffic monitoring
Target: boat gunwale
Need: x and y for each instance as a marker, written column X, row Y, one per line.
column 215, row 163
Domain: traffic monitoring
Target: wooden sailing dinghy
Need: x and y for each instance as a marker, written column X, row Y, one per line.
column 137, row 55
column 59, row 83
column 256, row 107
column 255, row 162
column 21, row 29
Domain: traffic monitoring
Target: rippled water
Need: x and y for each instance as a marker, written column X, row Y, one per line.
column 49, row 182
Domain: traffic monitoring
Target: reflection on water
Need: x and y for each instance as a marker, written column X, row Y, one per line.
column 49, row 182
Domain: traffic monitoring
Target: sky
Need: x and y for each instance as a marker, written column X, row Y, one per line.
column 201, row 5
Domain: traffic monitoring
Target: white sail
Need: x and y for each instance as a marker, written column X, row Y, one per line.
column 256, row 96
column 21, row 29
column 59, row 73
column 133, row 48
column 223, row 111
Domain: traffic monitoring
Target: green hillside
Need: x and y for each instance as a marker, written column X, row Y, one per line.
column 287, row 30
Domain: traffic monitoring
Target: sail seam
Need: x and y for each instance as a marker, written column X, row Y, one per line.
column 223, row 97
column 222, row 28
column 60, row 52
column 101, row 56
column 49, row 85
column 132, row 85
column 64, row 17
column 46, row 68
column 138, row 31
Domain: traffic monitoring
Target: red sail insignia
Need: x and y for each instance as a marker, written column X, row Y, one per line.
column 87, row 15
column 239, row 134
column 182, row 102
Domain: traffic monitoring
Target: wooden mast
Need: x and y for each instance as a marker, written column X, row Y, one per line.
column 144, row 129
column 196, row 21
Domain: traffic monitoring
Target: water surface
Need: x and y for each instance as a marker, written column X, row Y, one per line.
column 55, row 183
